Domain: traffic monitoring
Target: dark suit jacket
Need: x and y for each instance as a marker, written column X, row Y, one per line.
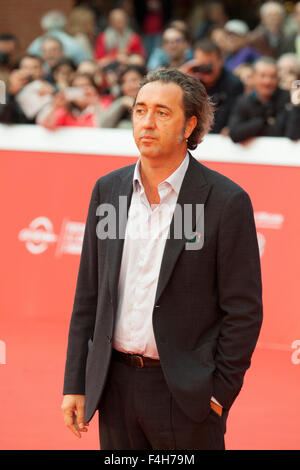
column 224, row 94
column 253, row 118
column 208, row 308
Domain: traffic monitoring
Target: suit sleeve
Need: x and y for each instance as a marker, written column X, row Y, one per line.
column 225, row 106
column 243, row 127
column 240, row 296
column 85, row 305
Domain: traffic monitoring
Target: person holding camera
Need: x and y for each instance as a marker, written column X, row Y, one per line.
column 78, row 105
column 28, row 90
column 221, row 85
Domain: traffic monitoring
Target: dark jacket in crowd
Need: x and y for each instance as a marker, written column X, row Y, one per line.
column 290, row 43
column 266, row 45
column 254, row 118
column 11, row 113
column 224, row 94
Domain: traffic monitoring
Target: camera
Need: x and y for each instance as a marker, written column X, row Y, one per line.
column 203, row 69
column 111, row 67
column 74, row 93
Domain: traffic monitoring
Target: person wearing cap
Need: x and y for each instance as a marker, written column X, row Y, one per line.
column 237, row 47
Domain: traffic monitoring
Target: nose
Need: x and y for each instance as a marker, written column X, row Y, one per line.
column 149, row 120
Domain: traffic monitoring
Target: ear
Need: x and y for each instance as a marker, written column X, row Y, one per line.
column 190, row 126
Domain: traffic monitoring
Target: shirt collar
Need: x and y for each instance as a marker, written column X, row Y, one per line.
column 174, row 180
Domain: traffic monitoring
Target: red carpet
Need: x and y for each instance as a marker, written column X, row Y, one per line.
column 266, row 415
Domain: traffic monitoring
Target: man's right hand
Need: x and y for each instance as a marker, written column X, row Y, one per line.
column 73, row 412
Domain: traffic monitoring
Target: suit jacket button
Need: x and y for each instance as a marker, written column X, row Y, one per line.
column 109, row 338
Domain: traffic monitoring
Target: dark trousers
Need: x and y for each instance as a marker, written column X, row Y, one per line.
column 138, row 412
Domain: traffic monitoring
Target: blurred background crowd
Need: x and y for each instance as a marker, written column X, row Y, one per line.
column 85, row 67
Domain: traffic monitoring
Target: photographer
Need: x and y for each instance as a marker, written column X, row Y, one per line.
column 78, row 105
column 221, row 85
column 28, row 91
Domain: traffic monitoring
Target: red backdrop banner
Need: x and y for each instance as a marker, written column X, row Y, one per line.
column 45, row 197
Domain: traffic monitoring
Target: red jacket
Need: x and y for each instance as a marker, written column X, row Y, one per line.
column 134, row 46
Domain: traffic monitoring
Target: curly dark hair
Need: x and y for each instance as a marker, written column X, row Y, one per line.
column 196, row 101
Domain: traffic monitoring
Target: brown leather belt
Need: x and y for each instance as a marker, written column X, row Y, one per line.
column 135, row 360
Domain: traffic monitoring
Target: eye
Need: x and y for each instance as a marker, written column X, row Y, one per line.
column 162, row 113
column 138, row 111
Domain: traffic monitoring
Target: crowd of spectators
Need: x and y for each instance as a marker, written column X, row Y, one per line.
column 77, row 75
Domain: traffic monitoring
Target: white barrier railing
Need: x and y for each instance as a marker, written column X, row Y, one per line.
column 263, row 150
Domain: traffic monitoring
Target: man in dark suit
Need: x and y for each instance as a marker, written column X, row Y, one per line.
column 168, row 303
column 268, row 110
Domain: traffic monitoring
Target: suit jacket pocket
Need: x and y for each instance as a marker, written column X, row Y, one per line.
column 90, row 343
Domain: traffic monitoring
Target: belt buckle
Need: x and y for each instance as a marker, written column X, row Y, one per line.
column 138, row 361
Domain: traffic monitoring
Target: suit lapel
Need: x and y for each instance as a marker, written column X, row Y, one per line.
column 120, row 199
column 194, row 190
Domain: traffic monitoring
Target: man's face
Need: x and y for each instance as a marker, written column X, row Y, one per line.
column 265, row 79
column 130, row 83
column 7, row 51
column 211, row 60
column 64, row 74
column 235, row 42
column 88, row 67
column 51, row 52
column 174, row 43
column 158, row 120
column 88, row 91
column 32, row 67
column 273, row 20
column 118, row 20
column 220, row 37
column 288, row 66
